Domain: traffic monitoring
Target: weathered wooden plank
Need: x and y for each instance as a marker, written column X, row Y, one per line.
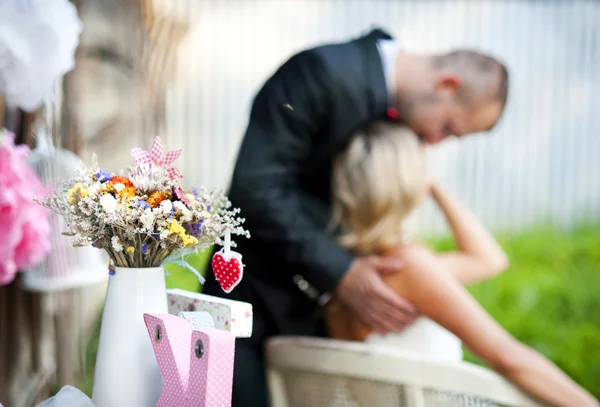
column 1, row 111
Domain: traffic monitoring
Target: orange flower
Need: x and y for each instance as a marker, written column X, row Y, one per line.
column 155, row 198
column 121, row 180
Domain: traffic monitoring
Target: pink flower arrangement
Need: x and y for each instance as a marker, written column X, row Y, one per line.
column 25, row 237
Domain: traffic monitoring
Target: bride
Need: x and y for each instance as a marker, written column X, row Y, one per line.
column 378, row 181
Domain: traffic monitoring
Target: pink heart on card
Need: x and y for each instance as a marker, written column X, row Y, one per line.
column 228, row 269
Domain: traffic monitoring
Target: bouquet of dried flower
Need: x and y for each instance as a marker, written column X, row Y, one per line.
column 146, row 217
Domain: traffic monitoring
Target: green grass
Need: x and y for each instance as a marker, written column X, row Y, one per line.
column 181, row 277
column 549, row 298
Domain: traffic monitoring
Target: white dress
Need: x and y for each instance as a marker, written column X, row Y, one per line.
column 423, row 338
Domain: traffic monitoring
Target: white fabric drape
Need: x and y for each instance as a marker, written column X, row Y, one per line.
column 37, row 45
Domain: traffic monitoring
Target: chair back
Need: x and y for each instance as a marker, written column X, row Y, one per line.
column 314, row 372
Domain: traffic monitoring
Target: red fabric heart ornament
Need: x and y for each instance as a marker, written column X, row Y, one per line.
column 228, row 269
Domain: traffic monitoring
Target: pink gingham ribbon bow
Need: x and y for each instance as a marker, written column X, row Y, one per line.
column 155, row 156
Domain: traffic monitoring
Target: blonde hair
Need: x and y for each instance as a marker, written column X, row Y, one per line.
column 377, row 182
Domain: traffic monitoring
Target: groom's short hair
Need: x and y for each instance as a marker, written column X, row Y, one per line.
column 484, row 77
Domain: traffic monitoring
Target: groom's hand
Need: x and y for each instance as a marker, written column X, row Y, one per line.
column 363, row 289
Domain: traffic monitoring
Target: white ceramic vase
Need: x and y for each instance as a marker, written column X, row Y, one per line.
column 127, row 373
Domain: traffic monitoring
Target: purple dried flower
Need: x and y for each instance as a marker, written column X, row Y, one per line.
column 195, row 190
column 144, row 249
column 143, row 204
column 103, row 176
column 195, row 229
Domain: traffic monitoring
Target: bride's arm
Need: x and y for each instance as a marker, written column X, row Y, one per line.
column 479, row 256
column 426, row 283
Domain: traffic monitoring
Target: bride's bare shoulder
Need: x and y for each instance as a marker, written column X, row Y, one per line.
column 414, row 255
column 419, row 265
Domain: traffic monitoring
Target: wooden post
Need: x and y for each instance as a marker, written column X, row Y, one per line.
column 1, row 112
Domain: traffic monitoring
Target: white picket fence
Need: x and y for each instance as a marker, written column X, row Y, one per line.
column 541, row 164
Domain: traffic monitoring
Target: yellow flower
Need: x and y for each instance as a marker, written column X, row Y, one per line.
column 127, row 192
column 131, row 249
column 188, row 240
column 177, row 229
column 76, row 193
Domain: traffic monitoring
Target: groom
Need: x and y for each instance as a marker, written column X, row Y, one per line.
column 300, row 119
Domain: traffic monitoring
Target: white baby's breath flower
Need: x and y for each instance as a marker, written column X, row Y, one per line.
column 185, row 213
column 94, row 189
column 147, row 218
column 116, row 244
column 85, row 224
column 108, row 203
column 165, row 207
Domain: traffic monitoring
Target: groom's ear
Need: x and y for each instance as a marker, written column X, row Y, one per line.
column 448, row 81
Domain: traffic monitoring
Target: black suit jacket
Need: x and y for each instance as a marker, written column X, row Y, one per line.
column 301, row 118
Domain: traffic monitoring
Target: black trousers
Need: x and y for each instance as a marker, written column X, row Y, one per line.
column 249, row 376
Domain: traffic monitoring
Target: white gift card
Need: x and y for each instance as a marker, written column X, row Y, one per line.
column 228, row 315
column 198, row 320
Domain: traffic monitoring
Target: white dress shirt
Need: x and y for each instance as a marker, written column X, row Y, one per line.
column 388, row 51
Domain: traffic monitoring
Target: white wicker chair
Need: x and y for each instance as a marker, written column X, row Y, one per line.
column 311, row 372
